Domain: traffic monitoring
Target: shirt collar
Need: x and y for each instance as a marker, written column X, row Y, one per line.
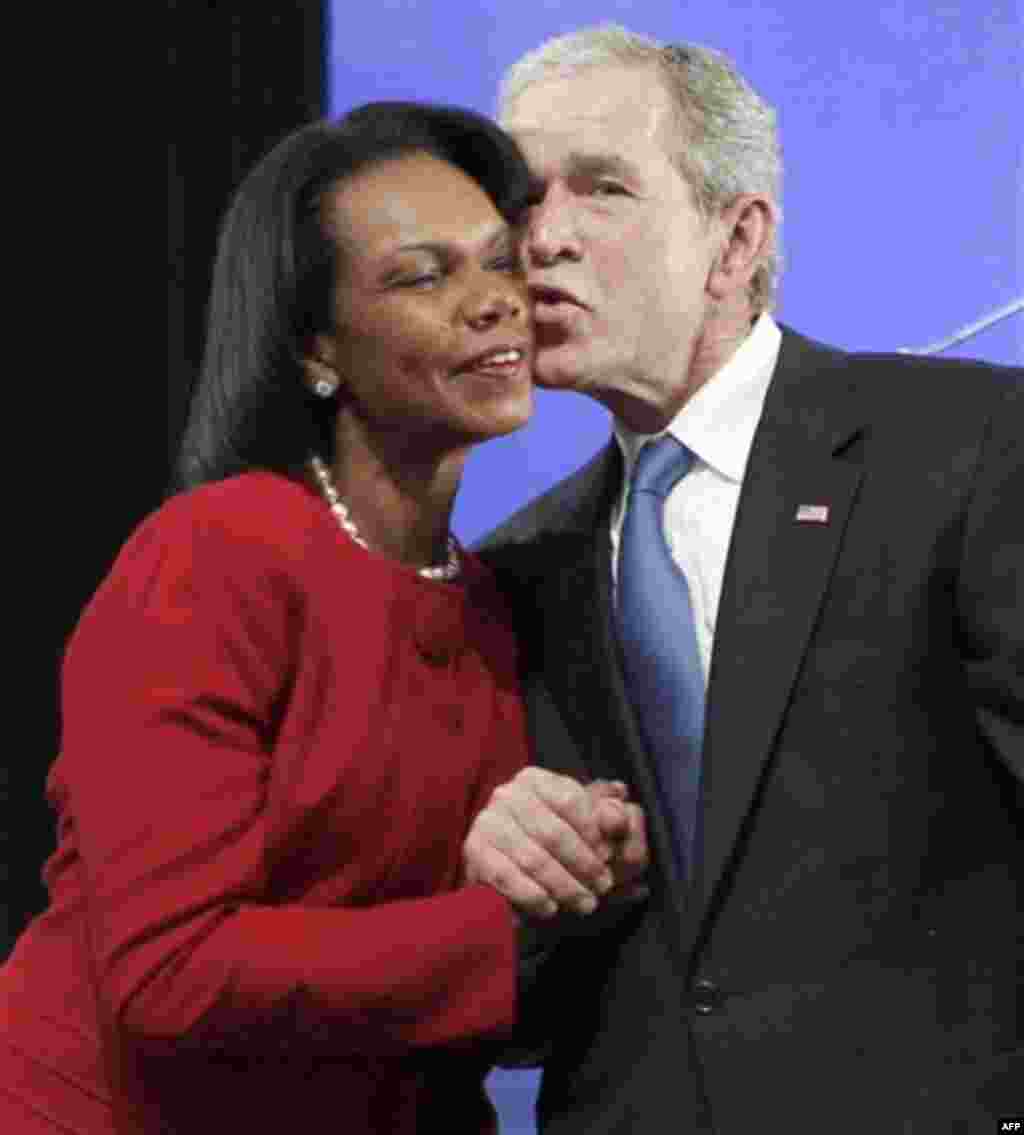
column 718, row 423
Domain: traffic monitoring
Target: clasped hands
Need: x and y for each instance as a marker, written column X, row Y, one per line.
column 550, row 844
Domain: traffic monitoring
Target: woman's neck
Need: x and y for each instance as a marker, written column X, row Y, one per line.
column 400, row 502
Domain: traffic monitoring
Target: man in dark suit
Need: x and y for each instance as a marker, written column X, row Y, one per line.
column 832, row 939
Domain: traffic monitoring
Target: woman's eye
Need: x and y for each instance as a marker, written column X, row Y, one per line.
column 421, row 280
column 508, row 263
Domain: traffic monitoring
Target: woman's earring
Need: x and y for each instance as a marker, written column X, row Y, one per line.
column 324, row 388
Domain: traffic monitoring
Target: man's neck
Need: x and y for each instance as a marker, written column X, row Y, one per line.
column 715, row 344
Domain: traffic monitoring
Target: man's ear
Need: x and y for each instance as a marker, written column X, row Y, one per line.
column 748, row 227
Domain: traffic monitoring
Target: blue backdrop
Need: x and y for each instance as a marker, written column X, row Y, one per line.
column 903, row 138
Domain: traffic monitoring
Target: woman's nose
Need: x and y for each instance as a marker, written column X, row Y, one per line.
column 492, row 305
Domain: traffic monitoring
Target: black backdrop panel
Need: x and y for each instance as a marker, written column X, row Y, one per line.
column 240, row 75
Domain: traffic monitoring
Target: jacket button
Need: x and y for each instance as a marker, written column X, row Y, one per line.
column 707, row 997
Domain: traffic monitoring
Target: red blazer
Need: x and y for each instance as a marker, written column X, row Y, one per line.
column 274, row 743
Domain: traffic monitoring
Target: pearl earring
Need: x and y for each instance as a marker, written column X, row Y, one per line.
column 324, row 388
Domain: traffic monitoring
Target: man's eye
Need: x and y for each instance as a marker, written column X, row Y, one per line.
column 508, row 263
column 610, row 189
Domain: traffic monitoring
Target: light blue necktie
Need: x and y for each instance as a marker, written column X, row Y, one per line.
column 659, row 641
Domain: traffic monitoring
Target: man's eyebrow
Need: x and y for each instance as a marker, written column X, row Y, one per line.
column 504, row 235
column 600, row 164
column 578, row 163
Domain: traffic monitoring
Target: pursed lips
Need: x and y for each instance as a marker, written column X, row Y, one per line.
column 549, row 295
column 554, row 306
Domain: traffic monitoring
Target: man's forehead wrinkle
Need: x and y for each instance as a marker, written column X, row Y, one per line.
column 591, row 145
column 601, row 108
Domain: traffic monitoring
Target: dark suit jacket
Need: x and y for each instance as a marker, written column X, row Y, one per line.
column 848, row 957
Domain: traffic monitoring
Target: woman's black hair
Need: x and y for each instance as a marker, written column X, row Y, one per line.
column 274, row 275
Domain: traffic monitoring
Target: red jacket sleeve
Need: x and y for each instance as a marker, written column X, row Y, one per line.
column 173, row 685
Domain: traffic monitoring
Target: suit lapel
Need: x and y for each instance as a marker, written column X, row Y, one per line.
column 799, row 487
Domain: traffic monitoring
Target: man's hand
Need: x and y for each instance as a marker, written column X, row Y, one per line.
column 548, row 843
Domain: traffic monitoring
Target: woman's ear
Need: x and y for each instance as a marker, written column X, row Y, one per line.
column 318, row 367
column 748, row 235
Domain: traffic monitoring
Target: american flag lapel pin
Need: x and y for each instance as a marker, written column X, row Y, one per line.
column 812, row 514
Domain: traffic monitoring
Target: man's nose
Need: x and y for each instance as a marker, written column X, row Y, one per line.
column 551, row 232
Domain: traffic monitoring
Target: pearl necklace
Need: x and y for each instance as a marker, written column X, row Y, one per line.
column 444, row 572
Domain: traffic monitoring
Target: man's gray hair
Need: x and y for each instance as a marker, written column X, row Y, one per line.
column 727, row 138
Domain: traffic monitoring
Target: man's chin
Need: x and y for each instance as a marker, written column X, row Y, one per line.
column 557, row 382
column 557, row 369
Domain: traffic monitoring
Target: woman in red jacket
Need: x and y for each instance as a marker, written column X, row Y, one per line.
column 286, row 702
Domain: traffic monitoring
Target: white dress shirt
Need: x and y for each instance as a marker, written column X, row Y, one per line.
column 717, row 424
